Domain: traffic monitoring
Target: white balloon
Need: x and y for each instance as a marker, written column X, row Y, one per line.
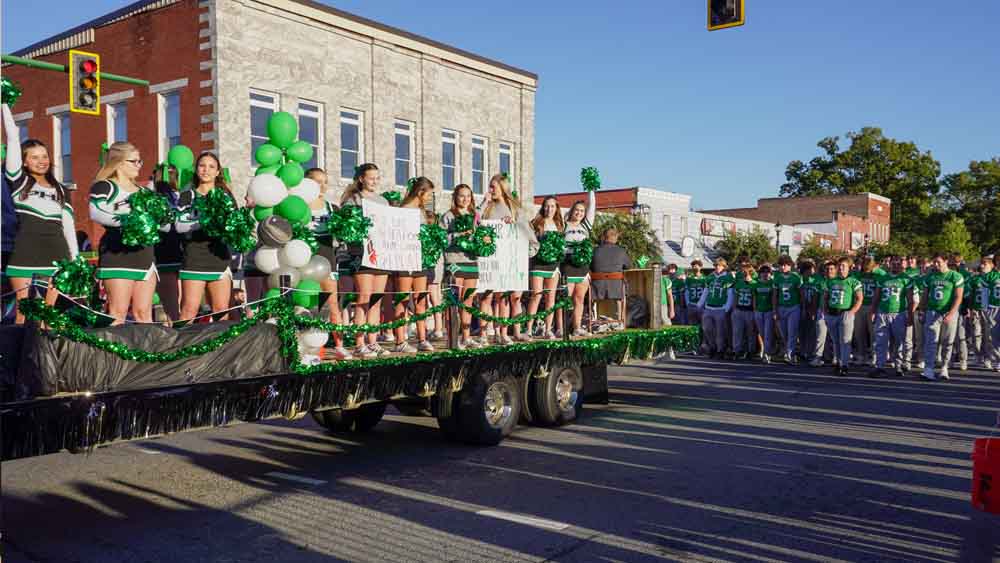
column 313, row 338
column 266, row 259
column 295, row 254
column 267, row 190
column 307, row 189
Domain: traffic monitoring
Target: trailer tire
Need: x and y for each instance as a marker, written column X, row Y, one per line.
column 557, row 398
column 489, row 407
column 446, row 412
column 361, row 419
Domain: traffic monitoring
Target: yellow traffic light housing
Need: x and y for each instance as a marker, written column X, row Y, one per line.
column 84, row 82
column 725, row 13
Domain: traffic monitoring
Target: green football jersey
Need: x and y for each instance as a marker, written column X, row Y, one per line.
column 868, row 282
column 665, row 289
column 840, row 293
column 941, row 288
column 892, row 288
column 979, row 288
column 812, row 287
column 788, row 286
column 695, row 286
column 993, row 280
column 718, row 290
column 678, row 289
column 744, row 293
column 762, row 296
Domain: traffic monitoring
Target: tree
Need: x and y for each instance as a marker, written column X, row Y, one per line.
column 755, row 244
column 974, row 196
column 954, row 238
column 894, row 247
column 634, row 235
column 815, row 251
column 877, row 164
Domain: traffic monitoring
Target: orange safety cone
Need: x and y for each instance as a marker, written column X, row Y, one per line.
column 986, row 475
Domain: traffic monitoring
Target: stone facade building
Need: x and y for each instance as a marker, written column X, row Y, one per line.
column 362, row 92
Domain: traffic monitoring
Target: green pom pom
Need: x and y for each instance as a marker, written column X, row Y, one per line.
column 141, row 225
column 393, row 197
column 10, row 92
column 433, row 241
column 551, row 247
column 74, row 277
column 302, row 232
column 581, row 253
column 349, row 224
column 481, row 243
column 463, row 223
column 590, row 178
column 221, row 219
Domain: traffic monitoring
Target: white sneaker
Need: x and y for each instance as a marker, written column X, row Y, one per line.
column 523, row 337
column 671, row 354
column 921, row 364
column 461, row 345
column 551, row 336
column 365, row 351
column 580, row 332
column 425, row 346
column 963, row 366
column 404, row 348
column 379, row 351
column 390, row 338
column 986, row 364
column 436, row 335
column 943, row 373
column 490, row 331
column 341, row 353
column 816, row 362
column 766, row 359
column 473, row 343
column 929, row 374
column 505, row 340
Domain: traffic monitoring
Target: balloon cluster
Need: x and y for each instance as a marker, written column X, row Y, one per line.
column 281, row 195
column 551, row 247
column 222, row 219
column 141, row 225
column 581, row 253
column 433, row 241
column 590, row 178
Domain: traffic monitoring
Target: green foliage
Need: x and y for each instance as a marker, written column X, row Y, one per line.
column 953, row 238
column 634, row 235
column 816, row 252
column 756, row 244
column 894, row 247
column 974, row 196
column 877, row 164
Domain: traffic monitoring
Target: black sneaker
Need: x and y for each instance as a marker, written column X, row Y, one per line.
column 876, row 373
column 842, row 371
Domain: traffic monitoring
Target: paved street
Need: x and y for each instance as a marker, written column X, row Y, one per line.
column 692, row 461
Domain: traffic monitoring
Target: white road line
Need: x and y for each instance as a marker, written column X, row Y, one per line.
column 296, row 478
column 150, row 452
column 522, row 519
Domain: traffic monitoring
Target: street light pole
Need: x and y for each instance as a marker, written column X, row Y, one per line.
column 777, row 238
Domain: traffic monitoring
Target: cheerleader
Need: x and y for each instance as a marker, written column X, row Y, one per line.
column 579, row 222
column 45, row 227
column 321, row 210
column 542, row 275
column 206, row 259
column 169, row 252
column 464, row 268
column 368, row 282
column 420, row 196
column 128, row 272
column 502, row 205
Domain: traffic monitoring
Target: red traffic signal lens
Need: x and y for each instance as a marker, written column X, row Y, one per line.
column 89, row 66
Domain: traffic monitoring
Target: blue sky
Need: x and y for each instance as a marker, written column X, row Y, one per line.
column 642, row 91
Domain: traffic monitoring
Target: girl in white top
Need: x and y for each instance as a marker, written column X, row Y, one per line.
column 46, row 231
column 544, row 276
column 579, row 222
column 501, row 204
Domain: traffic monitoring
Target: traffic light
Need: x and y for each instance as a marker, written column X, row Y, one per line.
column 84, row 82
column 725, row 13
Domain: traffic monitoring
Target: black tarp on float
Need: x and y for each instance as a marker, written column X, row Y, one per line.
column 57, row 365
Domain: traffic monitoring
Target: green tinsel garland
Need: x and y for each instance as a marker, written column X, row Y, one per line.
column 433, row 241
column 590, row 178
column 10, row 91
column 349, row 330
column 616, row 347
column 349, row 224
column 141, row 225
column 301, row 231
column 523, row 318
column 221, row 219
column 74, row 277
column 481, row 243
column 393, row 197
column 551, row 247
column 581, row 253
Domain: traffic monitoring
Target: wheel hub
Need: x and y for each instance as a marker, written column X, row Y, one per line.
column 498, row 404
column 566, row 391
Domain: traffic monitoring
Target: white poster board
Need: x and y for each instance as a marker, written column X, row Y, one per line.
column 507, row 269
column 393, row 241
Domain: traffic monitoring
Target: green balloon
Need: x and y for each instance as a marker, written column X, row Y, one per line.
column 267, row 154
column 293, row 208
column 156, row 299
column 180, row 157
column 273, row 169
column 260, row 213
column 307, row 294
column 300, row 151
column 282, row 129
column 272, row 293
column 291, row 174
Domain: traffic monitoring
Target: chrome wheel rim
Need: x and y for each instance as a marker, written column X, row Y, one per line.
column 567, row 390
column 498, row 405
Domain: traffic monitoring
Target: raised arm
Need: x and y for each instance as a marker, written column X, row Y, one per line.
column 588, row 220
column 12, row 164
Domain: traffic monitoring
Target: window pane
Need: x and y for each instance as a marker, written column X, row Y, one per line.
column 448, row 177
column 64, row 134
column 173, row 114
column 22, row 129
column 121, row 123
column 402, row 172
column 403, row 147
column 308, row 107
column 258, row 120
column 448, row 154
column 309, row 130
column 477, row 182
column 173, row 142
column 262, row 98
column 349, row 138
column 348, row 161
column 477, row 159
column 67, row 169
column 350, row 115
column 504, row 163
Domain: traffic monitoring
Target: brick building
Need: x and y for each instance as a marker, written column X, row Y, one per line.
column 362, row 91
column 848, row 222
